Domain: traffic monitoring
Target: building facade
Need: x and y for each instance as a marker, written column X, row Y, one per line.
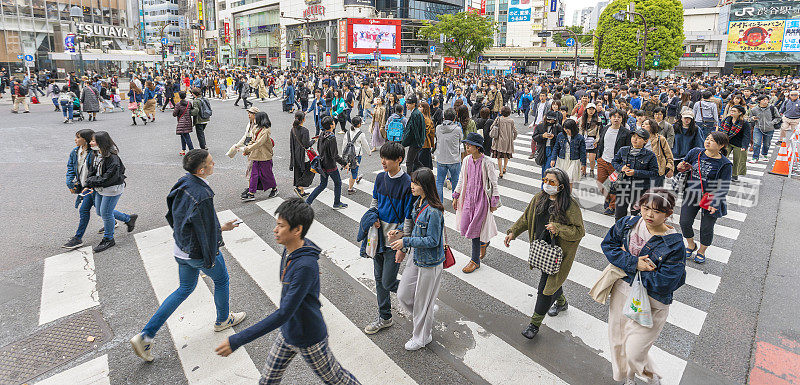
column 519, row 21
column 41, row 29
column 158, row 14
column 705, row 33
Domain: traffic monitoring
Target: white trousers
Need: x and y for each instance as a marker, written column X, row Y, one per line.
column 417, row 293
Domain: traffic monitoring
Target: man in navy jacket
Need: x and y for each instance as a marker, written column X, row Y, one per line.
column 299, row 317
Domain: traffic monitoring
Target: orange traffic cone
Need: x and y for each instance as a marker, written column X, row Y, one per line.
column 781, row 166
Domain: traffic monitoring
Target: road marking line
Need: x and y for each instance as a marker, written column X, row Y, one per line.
column 192, row 324
column 92, row 372
column 491, row 357
column 354, row 350
column 68, row 285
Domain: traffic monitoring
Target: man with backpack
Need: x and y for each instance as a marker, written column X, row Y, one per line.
column 765, row 119
column 20, row 95
column 355, row 143
column 201, row 114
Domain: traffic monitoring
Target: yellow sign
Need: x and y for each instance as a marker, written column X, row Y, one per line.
column 200, row 10
column 755, row 36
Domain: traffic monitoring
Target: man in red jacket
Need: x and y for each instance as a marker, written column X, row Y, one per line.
column 20, row 95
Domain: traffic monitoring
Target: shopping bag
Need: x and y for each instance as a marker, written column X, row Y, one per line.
column 637, row 307
column 610, row 184
column 372, row 241
column 133, row 106
column 34, row 99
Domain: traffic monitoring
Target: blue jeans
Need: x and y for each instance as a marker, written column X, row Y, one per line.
column 186, row 141
column 761, row 141
column 549, row 156
column 55, row 103
column 187, row 276
column 105, row 209
column 85, row 211
column 705, row 128
column 323, row 183
column 442, row 170
column 66, row 107
column 354, row 170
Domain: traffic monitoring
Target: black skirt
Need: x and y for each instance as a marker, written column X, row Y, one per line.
column 304, row 177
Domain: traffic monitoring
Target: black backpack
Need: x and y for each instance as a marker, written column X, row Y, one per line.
column 349, row 151
column 205, row 109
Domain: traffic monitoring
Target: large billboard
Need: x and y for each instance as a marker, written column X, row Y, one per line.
column 519, row 10
column 764, row 31
column 363, row 34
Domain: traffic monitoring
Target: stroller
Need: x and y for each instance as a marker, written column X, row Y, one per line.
column 76, row 109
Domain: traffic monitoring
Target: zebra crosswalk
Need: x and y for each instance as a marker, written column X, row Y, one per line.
column 476, row 340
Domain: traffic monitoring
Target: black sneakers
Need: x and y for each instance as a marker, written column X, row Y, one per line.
column 73, row 243
column 132, row 223
column 244, row 193
column 555, row 309
column 273, row 193
column 105, row 244
column 249, row 197
column 531, row 331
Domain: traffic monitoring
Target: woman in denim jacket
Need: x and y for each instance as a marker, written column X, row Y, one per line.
column 77, row 171
column 643, row 243
column 422, row 276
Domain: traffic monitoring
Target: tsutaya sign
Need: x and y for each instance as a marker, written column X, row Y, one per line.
column 89, row 29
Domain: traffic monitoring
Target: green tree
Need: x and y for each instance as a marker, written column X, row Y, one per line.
column 584, row 41
column 619, row 47
column 467, row 34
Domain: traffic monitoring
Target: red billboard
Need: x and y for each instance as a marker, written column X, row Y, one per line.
column 363, row 35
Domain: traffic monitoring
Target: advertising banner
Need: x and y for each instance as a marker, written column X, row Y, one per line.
column 227, row 29
column 200, row 10
column 363, row 34
column 69, row 43
column 764, row 31
column 342, row 36
column 519, row 10
column 755, row 36
column 553, row 5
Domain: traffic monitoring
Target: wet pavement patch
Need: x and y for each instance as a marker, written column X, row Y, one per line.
column 52, row 346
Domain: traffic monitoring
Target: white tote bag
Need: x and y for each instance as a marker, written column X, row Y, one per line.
column 372, row 242
column 637, row 307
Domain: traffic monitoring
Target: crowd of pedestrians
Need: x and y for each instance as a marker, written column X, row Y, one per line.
column 641, row 143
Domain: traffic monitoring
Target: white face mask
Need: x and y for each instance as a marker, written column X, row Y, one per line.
column 96, row 148
column 550, row 190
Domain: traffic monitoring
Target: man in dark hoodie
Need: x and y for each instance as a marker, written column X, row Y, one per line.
column 329, row 157
column 414, row 134
column 299, row 317
column 197, row 238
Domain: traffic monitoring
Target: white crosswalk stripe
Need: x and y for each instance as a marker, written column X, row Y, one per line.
column 491, row 357
column 192, row 323
column 591, row 331
column 68, row 285
column 92, row 372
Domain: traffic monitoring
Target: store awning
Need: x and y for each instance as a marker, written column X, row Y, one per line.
column 453, row 66
column 338, row 65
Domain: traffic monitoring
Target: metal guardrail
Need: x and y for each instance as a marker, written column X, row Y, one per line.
column 538, row 52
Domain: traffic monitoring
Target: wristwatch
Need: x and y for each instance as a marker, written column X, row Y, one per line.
column 404, row 250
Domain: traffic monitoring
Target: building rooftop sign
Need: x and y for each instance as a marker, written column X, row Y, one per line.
column 89, row 29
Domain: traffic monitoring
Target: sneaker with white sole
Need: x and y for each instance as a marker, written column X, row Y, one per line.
column 103, row 229
column 142, row 348
column 412, row 345
column 378, row 325
column 233, row 320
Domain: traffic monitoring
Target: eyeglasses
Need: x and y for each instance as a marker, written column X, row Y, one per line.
column 553, row 183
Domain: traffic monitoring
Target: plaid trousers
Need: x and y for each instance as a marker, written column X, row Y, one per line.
column 318, row 356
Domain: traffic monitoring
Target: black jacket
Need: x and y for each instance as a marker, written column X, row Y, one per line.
column 623, row 139
column 540, row 129
column 297, row 150
column 112, row 173
column 329, row 151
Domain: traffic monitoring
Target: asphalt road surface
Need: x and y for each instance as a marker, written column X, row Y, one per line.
column 710, row 335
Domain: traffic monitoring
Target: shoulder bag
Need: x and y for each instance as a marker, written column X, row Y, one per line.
column 705, row 200
column 545, row 256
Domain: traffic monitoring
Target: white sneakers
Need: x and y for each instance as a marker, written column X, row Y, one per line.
column 233, row 320
column 142, row 348
column 412, row 345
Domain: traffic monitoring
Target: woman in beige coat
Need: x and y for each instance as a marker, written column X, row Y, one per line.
column 249, row 131
column 503, row 133
column 378, row 126
column 259, row 152
column 659, row 145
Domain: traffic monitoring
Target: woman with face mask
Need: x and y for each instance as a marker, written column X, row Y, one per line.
column 553, row 216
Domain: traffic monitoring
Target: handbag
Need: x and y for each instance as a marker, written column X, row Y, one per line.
column 705, row 200
column 545, row 256
column 133, row 106
column 449, row 259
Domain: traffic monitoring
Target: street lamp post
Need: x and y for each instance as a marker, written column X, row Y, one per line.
column 76, row 14
column 620, row 16
column 163, row 47
column 378, row 53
